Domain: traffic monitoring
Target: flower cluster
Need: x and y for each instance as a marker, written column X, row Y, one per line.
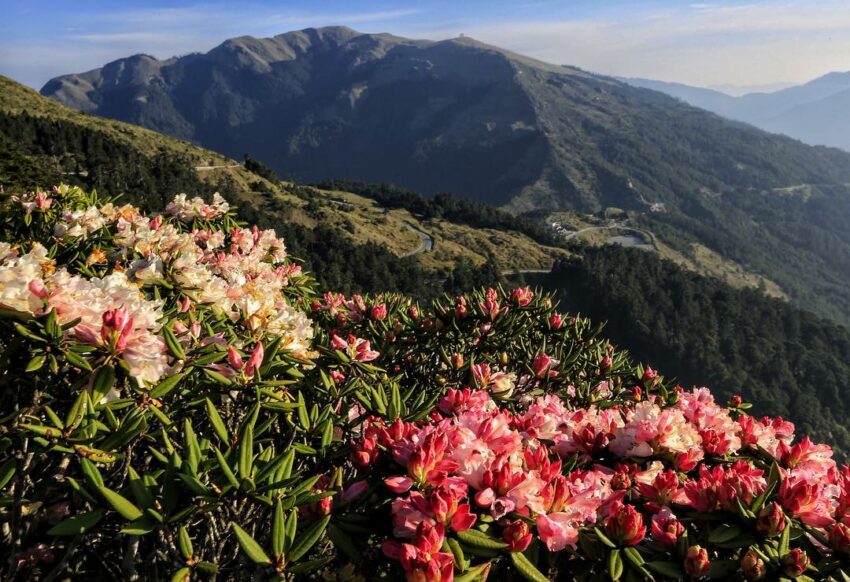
column 637, row 473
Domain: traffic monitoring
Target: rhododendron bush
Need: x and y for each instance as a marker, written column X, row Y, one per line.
column 180, row 401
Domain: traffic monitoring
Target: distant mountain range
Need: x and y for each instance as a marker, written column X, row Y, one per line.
column 817, row 112
column 488, row 124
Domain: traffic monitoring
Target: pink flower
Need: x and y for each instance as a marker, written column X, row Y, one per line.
column 356, row 348
column 522, row 296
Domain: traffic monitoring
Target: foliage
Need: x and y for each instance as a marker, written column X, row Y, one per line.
column 179, row 401
column 790, row 362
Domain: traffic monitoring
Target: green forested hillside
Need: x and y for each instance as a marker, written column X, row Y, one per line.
column 787, row 361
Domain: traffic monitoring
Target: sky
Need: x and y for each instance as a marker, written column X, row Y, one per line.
column 734, row 46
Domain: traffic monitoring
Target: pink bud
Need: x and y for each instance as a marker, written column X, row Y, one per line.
column 37, row 288
column 753, row 566
column 234, row 358
column 795, row 562
column 256, row 359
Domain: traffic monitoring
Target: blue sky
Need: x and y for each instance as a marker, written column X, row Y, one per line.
column 711, row 43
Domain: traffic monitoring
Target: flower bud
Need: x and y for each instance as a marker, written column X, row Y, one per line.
column 795, row 562
column 517, row 535
column 378, row 312
column 839, row 538
column 696, row 561
column 736, row 401
column 771, row 520
column 753, row 566
column 626, row 526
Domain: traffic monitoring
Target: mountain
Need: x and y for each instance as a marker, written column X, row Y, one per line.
column 490, row 125
column 814, row 112
column 357, row 237
column 454, row 115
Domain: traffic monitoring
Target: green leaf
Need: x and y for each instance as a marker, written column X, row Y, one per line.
column 250, row 546
column 307, row 539
column 78, row 361
column 7, row 471
column 478, row 539
column 724, row 533
column 526, row 568
column 343, row 542
column 104, row 378
column 785, row 540
column 193, row 450
column 615, row 565
column 182, row 575
column 225, row 468
column 309, row 565
column 91, row 473
column 475, row 574
column 184, row 542
column 278, row 530
column 217, row 422
column 172, row 342
column 303, row 417
column 36, row 363
column 76, row 525
column 167, row 385
column 246, row 452
column 120, row 504
column 141, row 492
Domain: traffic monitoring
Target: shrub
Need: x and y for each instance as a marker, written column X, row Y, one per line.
column 179, row 401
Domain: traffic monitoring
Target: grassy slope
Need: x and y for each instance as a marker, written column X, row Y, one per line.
column 359, row 220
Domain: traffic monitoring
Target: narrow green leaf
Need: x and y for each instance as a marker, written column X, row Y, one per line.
column 217, row 422
column 308, row 539
column 473, row 537
column 163, row 388
column 278, row 530
column 120, row 504
column 174, row 345
column 7, row 471
column 615, row 565
column 104, row 379
column 184, row 542
column 225, row 468
column 77, row 524
column 249, row 545
column 526, row 568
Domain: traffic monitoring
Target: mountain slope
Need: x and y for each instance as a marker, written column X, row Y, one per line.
column 353, row 242
column 814, row 112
